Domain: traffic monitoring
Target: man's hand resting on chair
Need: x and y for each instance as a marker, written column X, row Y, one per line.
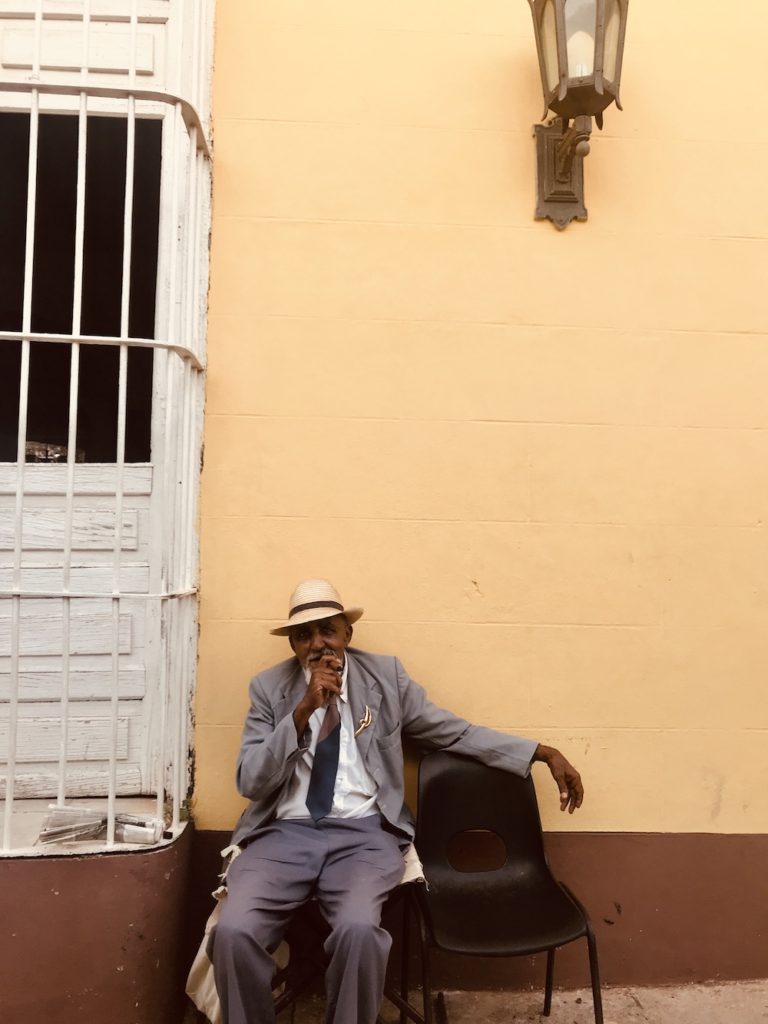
column 564, row 774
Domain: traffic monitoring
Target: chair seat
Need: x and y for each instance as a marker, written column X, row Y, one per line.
column 489, row 922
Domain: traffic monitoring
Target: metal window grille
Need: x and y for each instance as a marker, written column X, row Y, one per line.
column 67, row 627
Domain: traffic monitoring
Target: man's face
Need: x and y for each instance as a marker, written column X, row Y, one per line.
column 309, row 639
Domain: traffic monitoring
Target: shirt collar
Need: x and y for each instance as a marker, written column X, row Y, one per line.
column 344, row 673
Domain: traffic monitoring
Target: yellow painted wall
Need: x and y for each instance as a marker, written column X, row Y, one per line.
column 539, row 459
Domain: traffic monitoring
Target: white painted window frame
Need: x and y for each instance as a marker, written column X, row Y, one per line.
column 179, row 368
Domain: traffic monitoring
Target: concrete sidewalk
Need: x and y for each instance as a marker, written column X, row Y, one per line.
column 737, row 1003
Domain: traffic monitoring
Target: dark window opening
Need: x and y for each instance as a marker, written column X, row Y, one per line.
column 54, row 280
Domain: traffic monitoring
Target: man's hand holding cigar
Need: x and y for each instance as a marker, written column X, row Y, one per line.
column 325, row 666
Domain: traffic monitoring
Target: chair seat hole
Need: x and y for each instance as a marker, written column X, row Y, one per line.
column 476, row 850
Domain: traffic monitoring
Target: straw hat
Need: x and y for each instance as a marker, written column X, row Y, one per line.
column 312, row 600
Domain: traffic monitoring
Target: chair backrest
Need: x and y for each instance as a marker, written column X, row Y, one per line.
column 458, row 794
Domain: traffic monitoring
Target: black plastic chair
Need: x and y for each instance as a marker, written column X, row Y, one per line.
column 515, row 910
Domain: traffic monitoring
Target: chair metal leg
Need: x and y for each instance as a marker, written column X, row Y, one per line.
column 548, row 984
column 426, row 987
column 441, row 1010
column 594, row 972
column 405, row 953
column 397, row 994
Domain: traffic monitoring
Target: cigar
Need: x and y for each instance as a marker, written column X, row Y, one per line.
column 328, row 650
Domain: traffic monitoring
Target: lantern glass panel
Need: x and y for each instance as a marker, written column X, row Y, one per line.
column 549, row 46
column 611, row 52
column 580, row 31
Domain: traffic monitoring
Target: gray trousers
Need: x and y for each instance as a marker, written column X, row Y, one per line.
column 350, row 865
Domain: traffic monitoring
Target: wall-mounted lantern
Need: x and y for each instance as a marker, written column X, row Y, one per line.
column 580, row 45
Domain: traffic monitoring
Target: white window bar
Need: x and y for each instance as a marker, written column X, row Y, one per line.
column 179, row 361
column 74, row 381
column 190, row 286
column 122, row 402
column 189, row 115
column 122, row 392
column 190, row 442
column 13, row 709
column 166, row 677
column 181, row 491
column 104, row 339
column 179, row 662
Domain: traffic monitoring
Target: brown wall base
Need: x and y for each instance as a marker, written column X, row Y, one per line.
column 665, row 908
column 93, row 939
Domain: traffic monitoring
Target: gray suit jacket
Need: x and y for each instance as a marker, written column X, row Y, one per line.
column 398, row 707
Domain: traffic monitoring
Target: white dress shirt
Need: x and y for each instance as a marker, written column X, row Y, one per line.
column 354, row 794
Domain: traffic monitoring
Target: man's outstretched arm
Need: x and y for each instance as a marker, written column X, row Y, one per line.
column 440, row 729
column 564, row 774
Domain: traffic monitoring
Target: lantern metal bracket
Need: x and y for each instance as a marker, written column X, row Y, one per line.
column 560, row 152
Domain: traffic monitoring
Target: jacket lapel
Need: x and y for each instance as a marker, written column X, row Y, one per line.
column 291, row 693
column 363, row 694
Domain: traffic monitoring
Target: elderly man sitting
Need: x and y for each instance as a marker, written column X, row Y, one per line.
column 322, row 764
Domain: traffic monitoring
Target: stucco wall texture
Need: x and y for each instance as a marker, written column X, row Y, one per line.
column 538, row 459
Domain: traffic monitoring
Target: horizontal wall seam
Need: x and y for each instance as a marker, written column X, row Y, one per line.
column 644, row 525
column 569, row 730
column 615, row 136
column 636, row 335
column 496, row 225
column 469, row 624
column 486, row 421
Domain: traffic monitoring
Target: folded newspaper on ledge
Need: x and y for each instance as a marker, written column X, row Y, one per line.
column 81, row 824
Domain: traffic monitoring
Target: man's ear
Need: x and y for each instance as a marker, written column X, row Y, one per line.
column 290, row 641
column 348, row 636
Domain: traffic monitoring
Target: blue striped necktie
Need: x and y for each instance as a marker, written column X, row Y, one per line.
column 326, row 762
